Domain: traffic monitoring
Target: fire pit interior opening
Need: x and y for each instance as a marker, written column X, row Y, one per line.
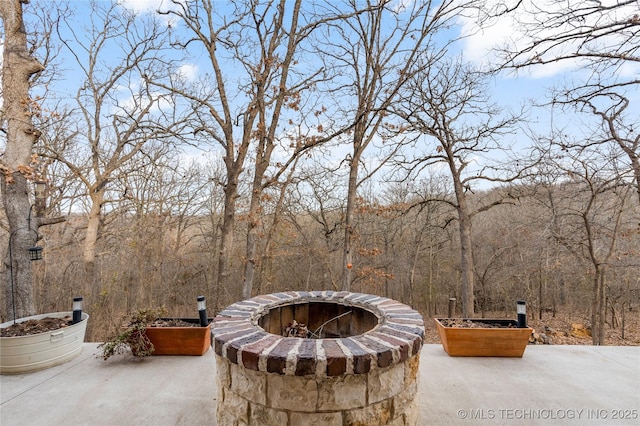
column 323, row 319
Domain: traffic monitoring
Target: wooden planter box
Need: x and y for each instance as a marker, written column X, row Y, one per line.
column 504, row 342
column 180, row 340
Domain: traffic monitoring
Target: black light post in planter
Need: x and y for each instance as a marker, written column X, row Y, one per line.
column 521, row 309
column 77, row 310
column 202, row 311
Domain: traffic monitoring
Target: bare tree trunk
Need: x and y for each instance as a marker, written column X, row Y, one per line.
column 598, row 310
column 254, row 224
column 603, row 308
column 225, row 249
column 90, row 242
column 598, row 315
column 265, row 256
column 23, row 235
column 635, row 165
column 17, row 69
column 347, row 255
column 622, row 320
column 466, row 266
column 466, row 244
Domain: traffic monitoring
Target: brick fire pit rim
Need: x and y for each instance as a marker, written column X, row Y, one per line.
column 237, row 336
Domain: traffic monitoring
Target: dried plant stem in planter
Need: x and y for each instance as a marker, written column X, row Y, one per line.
column 132, row 336
column 475, row 323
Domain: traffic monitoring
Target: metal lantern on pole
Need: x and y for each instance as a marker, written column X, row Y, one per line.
column 35, row 253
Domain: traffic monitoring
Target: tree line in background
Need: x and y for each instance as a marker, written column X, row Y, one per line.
column 344, row 146
column 537, row 249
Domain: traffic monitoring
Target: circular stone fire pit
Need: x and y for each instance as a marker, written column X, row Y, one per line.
column 359, row 366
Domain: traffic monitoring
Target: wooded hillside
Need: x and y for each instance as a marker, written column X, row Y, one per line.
column 525, row 250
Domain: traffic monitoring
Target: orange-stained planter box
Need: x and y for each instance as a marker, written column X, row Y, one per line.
column 503, row 342
column 180, row 340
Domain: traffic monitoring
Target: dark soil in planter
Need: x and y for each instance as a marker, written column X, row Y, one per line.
column 44, row 325
column 172, row 322
column 35, row 326
column 465, row 323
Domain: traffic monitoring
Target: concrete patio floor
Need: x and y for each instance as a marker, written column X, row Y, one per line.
column 567, row 385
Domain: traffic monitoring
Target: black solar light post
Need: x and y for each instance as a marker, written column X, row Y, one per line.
column 77, row 310
column 521, row 308
column 202, row 311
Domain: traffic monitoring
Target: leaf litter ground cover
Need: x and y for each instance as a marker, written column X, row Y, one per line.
column 35, row 326
column 43, row 325
column 172, row 322
column 465, row 323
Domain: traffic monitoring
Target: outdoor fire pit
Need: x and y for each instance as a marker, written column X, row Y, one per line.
column 356, row 364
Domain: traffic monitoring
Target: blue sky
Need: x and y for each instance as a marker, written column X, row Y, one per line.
column 507, row 89
column 476, row 47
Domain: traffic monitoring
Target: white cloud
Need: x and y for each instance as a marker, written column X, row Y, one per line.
column 402, row 5
column 136, row 103
column 188, row 72
column 629, row 69
column 481, row 43
column 142, row 6
column 151, row 6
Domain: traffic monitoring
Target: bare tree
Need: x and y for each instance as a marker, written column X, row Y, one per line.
column 117, row 114
column 614, row 127
column 447, row 104
column 19, row 119
column 373, row 54
column 18, row 67
column 279, row 43
column 600, row 35
column 279, row 199
column 596, row 212
column 320, row 206
column 262, row 43
column 426, row 238
column 599, row 38
column 64, row 191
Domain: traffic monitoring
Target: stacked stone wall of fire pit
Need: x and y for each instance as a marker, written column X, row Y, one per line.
column 359, row 365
